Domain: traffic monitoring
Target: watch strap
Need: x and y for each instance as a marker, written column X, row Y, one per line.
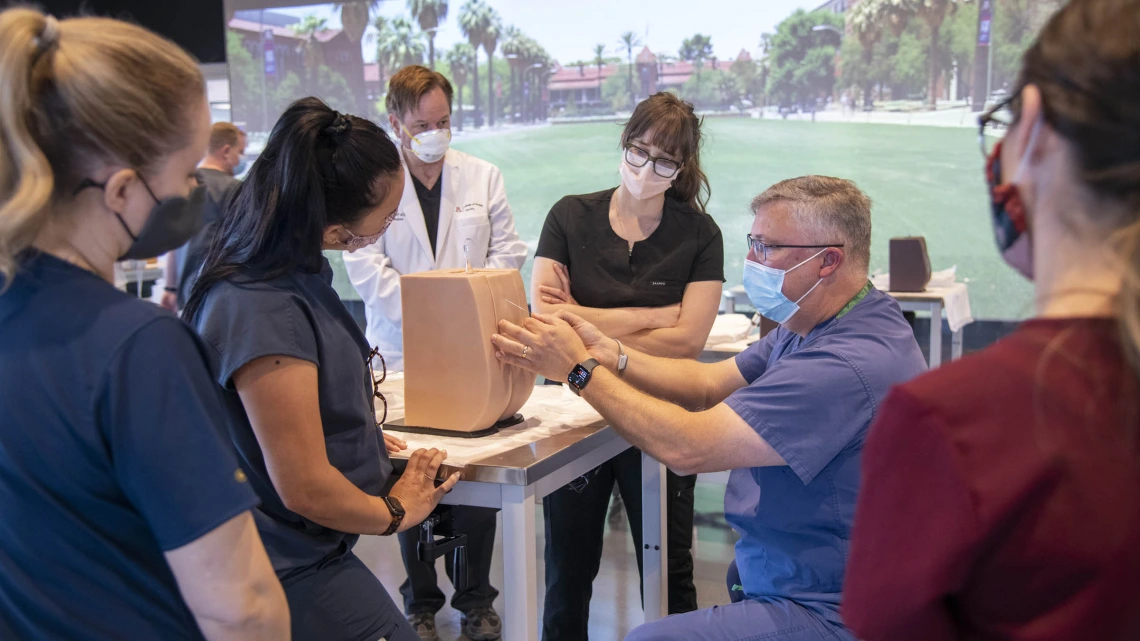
column 623, row 359
column 589, row 364
column 397, row 511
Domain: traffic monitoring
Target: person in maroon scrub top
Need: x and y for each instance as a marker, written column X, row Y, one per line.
column 1001, row 493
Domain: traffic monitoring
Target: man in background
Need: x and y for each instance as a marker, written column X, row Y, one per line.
column 216, row 173
column 454, row 209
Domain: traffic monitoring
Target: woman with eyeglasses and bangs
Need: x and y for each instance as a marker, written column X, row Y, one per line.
column 644, row 262
column 296, row 369
column 1001, row 493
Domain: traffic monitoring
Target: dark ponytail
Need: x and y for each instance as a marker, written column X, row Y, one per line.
column 319, row 168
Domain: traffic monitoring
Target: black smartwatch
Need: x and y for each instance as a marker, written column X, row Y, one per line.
column 580, row 376
column 397, row 511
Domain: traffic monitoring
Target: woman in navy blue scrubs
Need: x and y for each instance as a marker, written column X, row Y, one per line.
column 122, row 505
column 294, row 366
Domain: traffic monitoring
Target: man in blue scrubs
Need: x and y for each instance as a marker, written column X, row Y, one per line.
column 787, row 416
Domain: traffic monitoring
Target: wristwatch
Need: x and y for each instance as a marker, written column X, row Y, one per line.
column 623, row 359
column 397, row 511
column 580, row 376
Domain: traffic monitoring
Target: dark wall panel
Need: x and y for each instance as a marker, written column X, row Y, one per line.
column 197, row 25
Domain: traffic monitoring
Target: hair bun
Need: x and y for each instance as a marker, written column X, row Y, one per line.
column 340, row 127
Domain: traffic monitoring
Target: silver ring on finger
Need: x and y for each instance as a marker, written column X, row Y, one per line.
column 526, row 349
column 429, row 477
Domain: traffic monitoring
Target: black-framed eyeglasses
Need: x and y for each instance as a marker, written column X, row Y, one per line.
column 372, row 355
column 995, row 123
column 763, row 249
column 638, row 157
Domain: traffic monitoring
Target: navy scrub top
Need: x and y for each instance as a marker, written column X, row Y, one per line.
column 298, row 315
column 112, row 452
column 812, row 399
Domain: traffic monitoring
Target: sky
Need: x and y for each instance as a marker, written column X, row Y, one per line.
column 569, row 31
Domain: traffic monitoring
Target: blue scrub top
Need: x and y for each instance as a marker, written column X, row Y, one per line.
column 812, row 399
column 298, row 315
column 112, row 452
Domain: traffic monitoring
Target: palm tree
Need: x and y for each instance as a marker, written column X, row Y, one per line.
column 896, row 14
column 599, row 61
column 490, row 42
column 460, row 58
column 307, row 29
column 696, row 50
column 383, row 39
column 354, row 18
column 429, row 13
column 629, row 40
column 473, row 23
column 513, row 44
column 405, row 45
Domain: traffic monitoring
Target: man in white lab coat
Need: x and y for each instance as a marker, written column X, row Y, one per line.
column 451, row 200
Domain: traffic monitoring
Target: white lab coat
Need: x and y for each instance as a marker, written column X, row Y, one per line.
column 473, row 207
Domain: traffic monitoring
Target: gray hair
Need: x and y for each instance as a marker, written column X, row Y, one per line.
column 829, row 209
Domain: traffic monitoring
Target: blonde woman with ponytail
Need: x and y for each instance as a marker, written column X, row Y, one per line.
column 123, row 512
column 1001, row 493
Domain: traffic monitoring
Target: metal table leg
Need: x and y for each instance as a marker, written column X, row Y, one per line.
column 956, row 345
column 654, row 537
column 520, row 564
column 935, row 334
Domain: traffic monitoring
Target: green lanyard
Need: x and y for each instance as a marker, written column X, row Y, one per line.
column 855, row 301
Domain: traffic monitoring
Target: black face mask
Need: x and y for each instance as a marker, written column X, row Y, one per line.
column 172, row 222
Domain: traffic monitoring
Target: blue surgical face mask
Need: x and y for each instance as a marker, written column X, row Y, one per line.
column 765, row 288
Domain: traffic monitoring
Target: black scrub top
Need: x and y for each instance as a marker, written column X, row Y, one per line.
column 113, row 450
column 298, row 315
column 685, row 248
column 429, row 204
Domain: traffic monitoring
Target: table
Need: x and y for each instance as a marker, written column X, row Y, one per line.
column 935, row 300
column 517, row 477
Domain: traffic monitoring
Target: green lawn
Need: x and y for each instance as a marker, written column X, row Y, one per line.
column 924, row 181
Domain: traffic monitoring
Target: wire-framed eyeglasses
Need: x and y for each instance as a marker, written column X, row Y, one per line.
column 763, row 249
column 376, row 394
column 638, row 157
column 995, row 123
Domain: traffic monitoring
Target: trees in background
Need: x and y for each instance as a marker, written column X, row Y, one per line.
column 400, row 44
column 473, row 21
column 696, row 50
column 429, row 13
column 801, row 59
column 629, row 41
column 460, row 60
column 354, row 20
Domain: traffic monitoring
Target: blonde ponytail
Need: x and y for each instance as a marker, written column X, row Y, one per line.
column 76, row 94
column 26, row 179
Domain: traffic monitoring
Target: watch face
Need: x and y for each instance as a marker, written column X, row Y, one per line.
column 578, row 376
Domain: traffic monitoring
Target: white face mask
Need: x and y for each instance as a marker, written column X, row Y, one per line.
column 429, row 146
column 643, row 183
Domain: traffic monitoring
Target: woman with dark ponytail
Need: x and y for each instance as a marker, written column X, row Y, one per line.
column 296, row 369
column 1000, row 493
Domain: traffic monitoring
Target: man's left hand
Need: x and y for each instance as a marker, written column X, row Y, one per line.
column 545, row 345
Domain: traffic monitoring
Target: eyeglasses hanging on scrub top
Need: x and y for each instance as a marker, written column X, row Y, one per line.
column 376, row 382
